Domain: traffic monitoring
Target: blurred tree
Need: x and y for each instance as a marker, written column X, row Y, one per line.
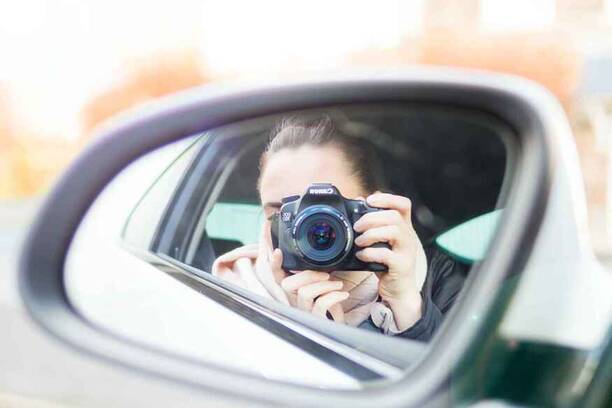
column 11, row 154
column 548, row 58
column 146, row 79
column 29, row 162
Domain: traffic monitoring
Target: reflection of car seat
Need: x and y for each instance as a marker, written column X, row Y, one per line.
column 232, row 224
column 235, row 222
column 468, row 242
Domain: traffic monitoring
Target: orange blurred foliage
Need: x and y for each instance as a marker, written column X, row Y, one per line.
column 30, row 162
column 548, row 58
column 146, row 79
column 544, row 57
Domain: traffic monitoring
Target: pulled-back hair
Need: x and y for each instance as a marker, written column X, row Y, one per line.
column 361, row 156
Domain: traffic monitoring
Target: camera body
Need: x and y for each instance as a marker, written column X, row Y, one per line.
column 315, row 231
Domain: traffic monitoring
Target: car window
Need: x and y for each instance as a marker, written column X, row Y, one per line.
column 235, row 222
column 449, row 183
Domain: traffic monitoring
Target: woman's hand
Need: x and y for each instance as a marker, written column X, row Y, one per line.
column 398, row 286
column 250, row 267
column 259, row 269
column 236, row 267
column 311, row 291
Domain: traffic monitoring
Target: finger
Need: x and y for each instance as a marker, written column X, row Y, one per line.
column 378, row 255
column 265, row 272
column 247, row 251
column 390, row 234
column 325, row 302
column 378, row 219
column 296, row 281
column 337, row 312
column 306, row 295
column 226, row 260
column 245, row 269
column 276, row 265
column 265, row 239
column 391, row 201
column 226, row 274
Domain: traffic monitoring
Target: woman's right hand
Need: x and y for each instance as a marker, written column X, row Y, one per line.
column 311, row 291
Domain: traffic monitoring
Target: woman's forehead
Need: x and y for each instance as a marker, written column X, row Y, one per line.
column 290, row 171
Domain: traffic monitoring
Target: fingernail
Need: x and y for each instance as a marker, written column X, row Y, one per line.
column 356, row 226
column 358, row 241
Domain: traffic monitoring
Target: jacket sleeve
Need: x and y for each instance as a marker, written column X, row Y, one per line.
column 443, row 283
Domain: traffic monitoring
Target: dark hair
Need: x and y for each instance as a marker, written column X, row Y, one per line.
column 292, row 133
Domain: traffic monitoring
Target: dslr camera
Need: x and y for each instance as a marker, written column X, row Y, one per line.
column 315, row 231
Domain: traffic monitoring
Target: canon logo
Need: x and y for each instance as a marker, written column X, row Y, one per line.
column 321, row 191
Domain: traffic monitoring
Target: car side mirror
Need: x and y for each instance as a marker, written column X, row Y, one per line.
column 133, row 256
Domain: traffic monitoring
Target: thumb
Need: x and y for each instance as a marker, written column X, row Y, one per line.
column 265, row 238
column 276, row 265
column 267, row 273
column 244, row 268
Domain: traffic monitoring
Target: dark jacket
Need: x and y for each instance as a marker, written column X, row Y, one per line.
column 444, row 281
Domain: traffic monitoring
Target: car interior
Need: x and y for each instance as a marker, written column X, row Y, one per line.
column 453, row 166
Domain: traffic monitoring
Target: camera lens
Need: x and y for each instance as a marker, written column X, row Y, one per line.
column 321, row 235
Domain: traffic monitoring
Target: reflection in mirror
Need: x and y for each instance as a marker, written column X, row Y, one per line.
column 325, row 247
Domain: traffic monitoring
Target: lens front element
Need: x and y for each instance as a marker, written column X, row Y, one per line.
column 322, row 235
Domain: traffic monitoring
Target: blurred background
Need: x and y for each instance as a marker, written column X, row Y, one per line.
column 67, row 65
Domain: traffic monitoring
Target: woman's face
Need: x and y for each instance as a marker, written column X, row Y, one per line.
column 290, row 172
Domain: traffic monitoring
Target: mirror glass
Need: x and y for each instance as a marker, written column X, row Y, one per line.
column 322, row 247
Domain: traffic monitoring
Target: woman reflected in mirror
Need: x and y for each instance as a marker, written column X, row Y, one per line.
column 421, row 283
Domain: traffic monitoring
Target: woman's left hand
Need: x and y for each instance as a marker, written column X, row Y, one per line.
column 398, row 286
column 254, row 267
